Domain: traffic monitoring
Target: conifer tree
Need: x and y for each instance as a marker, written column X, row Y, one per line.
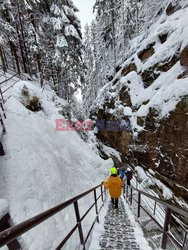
column 117, row 22
column 43, row 39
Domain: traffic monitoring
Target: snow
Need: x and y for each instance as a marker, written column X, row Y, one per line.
column 167, row 90
column 167, row 193
column 4, row 207
column 148, row 179
column 55, row 9
column 71, row 31
column 163, row 95
column 1, row 40
column 56, row 22
column 61, row 42
column 185, row 35
column 137, row 230
column 1, row 128
column 141, row 173
column 111, row 152
column 4, row 248
column 70, row 13
column 58, row 12
column 127, row 111
column 98, row 229
column 43, row 168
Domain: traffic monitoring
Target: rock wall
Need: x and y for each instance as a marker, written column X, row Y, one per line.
column 166, row 143
column 162, row 142
column 162, row 146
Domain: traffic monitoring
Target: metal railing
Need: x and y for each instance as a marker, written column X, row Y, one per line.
column 7, row 79
column 16, row 231
column 177, row 227
column 169, row 210
column 2, row 112
column 2, row 99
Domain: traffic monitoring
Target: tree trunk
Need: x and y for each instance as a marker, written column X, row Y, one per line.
column 13, row 49
column 123, row 23
column 21, row 50
column 113, row 31
column 3, row 59
column 39, row 69
column 22, row 40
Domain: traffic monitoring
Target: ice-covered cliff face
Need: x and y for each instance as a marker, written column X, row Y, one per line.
column 150, row 89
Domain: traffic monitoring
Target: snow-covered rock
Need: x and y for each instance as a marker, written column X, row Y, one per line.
column 150, row 90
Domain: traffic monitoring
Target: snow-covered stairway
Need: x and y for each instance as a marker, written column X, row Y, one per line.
column 118, row 230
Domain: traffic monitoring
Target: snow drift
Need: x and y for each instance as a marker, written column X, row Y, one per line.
column 42, row 167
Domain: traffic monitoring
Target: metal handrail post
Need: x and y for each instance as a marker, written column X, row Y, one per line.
column 2, row 124
column 102, row 197
column 127, row 191
column 1, row 96
column 155, row 205
column 124, row 189
column 166, row 227
column 184, row 241
column 96, row 207
column 77, row 213
column 139, row 203
column 131, row 196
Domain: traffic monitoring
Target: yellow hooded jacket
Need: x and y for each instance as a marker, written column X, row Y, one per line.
column 114, row 184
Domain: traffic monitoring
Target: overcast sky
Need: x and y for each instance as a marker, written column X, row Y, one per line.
column 85, row 13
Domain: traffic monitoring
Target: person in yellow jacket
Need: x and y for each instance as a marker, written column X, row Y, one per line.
column 114, row 184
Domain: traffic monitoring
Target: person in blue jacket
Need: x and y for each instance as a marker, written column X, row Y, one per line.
column 122, row 170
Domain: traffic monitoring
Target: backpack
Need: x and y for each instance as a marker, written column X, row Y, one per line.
column 122, row 173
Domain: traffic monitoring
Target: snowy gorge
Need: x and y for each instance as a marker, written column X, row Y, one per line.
column 150, row 90
column 131, row 64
